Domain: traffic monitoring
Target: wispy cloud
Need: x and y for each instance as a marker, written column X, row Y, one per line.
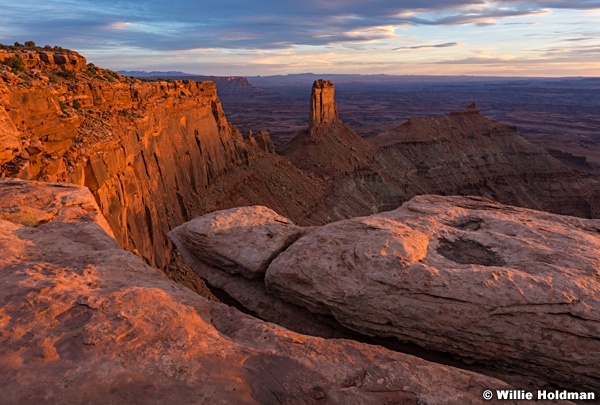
column 487, row 17
column 163, row 28
column 443, row 45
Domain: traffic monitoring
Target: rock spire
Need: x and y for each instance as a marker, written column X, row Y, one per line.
column 323, row 110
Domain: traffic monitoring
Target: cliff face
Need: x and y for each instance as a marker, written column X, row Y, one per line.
column 47, row 59
column 146, row 150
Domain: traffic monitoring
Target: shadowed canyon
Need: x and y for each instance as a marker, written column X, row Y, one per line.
column 155, row 254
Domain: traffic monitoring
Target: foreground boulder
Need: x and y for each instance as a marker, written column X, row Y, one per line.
column 513, row 288
column 83, row 321
column 221, row 238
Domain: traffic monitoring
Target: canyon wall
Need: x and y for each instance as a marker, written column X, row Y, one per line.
column 147, row 150
column 156, row 154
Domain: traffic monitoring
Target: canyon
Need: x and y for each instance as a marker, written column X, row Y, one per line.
column 155, row 154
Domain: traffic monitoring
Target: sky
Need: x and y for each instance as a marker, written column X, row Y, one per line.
column 260, row 37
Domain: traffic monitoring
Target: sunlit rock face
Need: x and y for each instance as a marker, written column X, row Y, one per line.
column 83, row 321
column 323, row 110
column 154, row 154
column 511, row 289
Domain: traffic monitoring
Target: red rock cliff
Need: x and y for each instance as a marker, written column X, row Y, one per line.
column 147, row 150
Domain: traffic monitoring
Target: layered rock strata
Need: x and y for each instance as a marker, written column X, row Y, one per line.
column 466, row 153
column 150, row 152
column 156, row 154
column 83, row 321
column 323, row 110
column 511, row 289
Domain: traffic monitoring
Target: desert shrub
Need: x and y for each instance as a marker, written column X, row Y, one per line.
column 24, row 216
column 29, row 44
column 124, row 112
column 109, row 78
column 91, row 68
column 67, row 74
column 28, row 79
column 76, row 104
column 62, row 106
column 18, row 45
column 15, row 63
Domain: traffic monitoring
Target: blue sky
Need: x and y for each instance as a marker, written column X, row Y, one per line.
column 243, row 37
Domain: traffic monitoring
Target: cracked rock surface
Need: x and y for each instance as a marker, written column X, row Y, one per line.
column 83, row 321
column 512, row 287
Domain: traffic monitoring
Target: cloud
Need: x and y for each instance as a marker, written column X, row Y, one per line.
column 486, row 17
column 194, row 33
column 241, row 24
column 444, row 45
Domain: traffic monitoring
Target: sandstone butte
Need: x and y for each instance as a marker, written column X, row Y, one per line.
column 83, row 321
column 512, row 290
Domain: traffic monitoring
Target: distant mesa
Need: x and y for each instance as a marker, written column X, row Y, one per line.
column 226, row 85
column 155, row 73
column 471, row 109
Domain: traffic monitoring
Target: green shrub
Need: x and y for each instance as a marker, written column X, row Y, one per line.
column 91, row 68
column 30, row 44
column 15, row 63
column 67, row 74
column 76, row 104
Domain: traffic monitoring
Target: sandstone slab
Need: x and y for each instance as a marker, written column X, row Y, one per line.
column 220, row 239
column 83, row 321
column 514, row 288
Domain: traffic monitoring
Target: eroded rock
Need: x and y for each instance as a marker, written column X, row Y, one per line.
column 10, row 144
column 85, row 322
column 514, row 288
column 220, row 239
